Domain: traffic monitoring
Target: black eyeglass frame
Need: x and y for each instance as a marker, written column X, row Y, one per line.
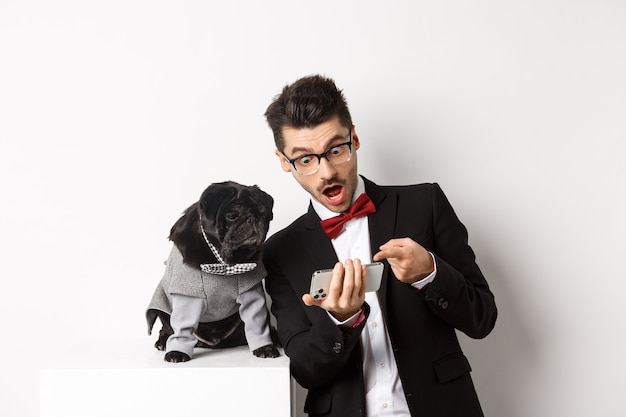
column 319, row 156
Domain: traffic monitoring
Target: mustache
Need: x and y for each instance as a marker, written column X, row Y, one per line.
column 331, row 182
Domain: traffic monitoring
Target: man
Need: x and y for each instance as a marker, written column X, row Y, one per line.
column 393, row 352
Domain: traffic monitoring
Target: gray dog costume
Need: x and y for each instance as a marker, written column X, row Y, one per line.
column 186, row 294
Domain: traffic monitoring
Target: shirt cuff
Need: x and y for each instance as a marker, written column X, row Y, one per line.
column 353, row 321
column 422, row 282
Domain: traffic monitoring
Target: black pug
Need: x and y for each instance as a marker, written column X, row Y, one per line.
column 211, row 294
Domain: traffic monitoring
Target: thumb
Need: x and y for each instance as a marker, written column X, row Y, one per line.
column 308, row 300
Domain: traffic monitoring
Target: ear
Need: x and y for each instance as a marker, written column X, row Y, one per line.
column 269, row 200
column 284, row 164
column 264, row 201
column 215, row 195
column 185, row 223
column 186, row 236
column 356, row 144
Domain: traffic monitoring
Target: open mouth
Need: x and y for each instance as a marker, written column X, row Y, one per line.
column 334, row 195
column 333, row 191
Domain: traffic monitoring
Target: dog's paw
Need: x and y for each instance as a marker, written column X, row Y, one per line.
column 160, row 344
column 268, row 351
column 176, row 357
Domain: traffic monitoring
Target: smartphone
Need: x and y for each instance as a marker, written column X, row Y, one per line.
column 320, row 280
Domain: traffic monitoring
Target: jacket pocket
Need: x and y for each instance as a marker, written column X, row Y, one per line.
column 452, row 367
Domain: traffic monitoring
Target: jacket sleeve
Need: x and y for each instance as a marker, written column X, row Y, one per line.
column 318, row 349
column 459, row 294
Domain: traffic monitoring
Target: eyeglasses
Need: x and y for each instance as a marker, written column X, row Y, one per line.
column 310, row 164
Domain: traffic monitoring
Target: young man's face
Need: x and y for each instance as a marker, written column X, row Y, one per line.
column 331, row 185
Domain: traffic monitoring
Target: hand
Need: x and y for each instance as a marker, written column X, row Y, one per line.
column 346, row 293
column 409, row 261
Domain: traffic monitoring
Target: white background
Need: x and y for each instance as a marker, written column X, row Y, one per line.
column 114, row 116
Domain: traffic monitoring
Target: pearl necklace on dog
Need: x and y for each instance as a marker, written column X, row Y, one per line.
column 222, row 268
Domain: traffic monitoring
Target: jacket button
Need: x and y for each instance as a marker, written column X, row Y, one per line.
column 337, row 347
column 443, row 303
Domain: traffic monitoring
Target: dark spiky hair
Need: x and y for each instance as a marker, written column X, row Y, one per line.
column 308, row 102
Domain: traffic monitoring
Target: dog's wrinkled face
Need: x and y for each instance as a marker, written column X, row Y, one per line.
column 236, row 219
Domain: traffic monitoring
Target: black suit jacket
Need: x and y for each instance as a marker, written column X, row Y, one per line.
column 326, row 359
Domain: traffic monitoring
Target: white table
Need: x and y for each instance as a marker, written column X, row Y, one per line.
column 108, row 379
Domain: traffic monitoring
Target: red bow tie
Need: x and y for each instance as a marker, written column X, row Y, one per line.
column 361, row 207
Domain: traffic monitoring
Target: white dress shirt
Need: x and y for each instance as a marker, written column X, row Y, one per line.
column 384, row 395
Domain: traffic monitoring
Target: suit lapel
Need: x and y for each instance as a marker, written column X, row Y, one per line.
column 381, row 228
column 318, row 248
column 382, row 223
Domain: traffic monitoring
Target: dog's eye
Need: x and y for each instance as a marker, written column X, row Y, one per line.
column 231, row 216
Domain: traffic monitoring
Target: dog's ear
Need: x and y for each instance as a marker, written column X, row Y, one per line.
column 215, row 197
column 265, row 202
column 185, row 223
column 185, row 234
